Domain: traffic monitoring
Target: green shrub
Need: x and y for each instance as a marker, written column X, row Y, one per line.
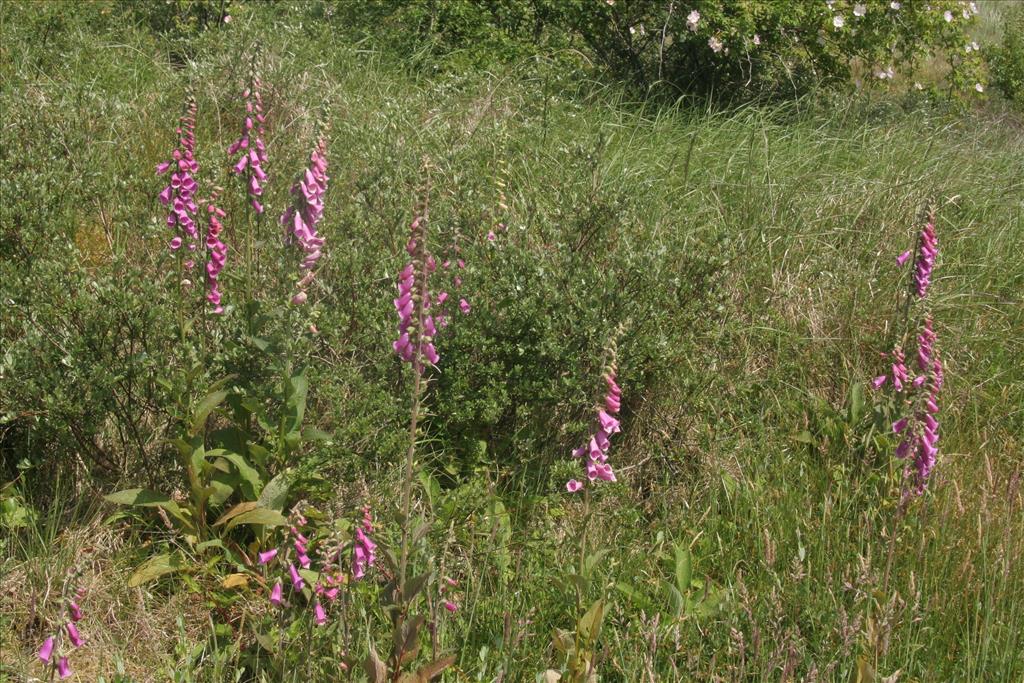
column 1007, row 59
column 705, row 46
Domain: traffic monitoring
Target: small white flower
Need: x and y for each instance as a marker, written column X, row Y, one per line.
column 830, row 3
column 895, row 5
column 609, row 2
column 948, row 16
column 692, row 19
column 974, row 44
column 918, row 86
column 860, row 10
column 838, row 21
column 757, row 39
column 973, row 7
column 715, row 44
column 966, row 13
column 979, row 87
column 968, row 48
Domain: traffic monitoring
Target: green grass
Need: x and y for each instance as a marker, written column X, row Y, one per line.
column 806, row 204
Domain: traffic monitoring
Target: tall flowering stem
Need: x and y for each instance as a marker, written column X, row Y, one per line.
column 249, row 145
column 364, row 550
column 416, row 332
column 594, row 450
column 916, row 425
column 180, row 193
column 915, row 386
column 217, row 251
column 53, row 653
column 251, row 158
column 301, row 218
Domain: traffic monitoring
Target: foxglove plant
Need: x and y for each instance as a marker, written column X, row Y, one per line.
column 217, row 251
column 414, row 345
column 917, row 425
column 300, row 219
column 416, row 328
column 595, row 450
column 180, row 192
column 250, row 142
column 416, row 332
column 364, row 550
column 53, row 652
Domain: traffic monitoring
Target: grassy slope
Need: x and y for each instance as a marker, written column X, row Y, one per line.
column 816, row 198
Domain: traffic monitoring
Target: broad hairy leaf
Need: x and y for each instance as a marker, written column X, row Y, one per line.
column 149, row 499
column 264, row 516
column 432, row 670
column 203, row 410
column 684, row 568
column 414, row 585
column 376, row 672
column 247, row 472
column 275, row 494
column 154, row 568
column 235, row 581
column 236, row 510
column 590, row 624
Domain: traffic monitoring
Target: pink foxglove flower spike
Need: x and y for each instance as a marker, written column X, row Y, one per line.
column 180, row 192
column 250, row 144
column 595, row 451
column 364, row 550
column 416, row 326
column 300, row 219
column 217, row 250
column 918, row 427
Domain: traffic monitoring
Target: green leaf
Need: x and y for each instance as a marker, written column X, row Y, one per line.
column 414, row 585
column 684, row 568
column 676, row 599
column 589, row 626
column 805, row 437
column 406, row 639
column 260, row 455
column 592, row 560
column 262, row 516
column 247, row 472
column 314, row 434
column 154, row 568
column 266, row 642
column 235, row 511
column 203, row 410
column 14, row 514
column 219, row 490
column 275, row 493
column 197, row 458
column 296, row 390
column 635, row 596
column 149, row 499
column 855, row 410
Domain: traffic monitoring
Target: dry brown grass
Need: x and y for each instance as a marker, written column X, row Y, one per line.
column 130, row 624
